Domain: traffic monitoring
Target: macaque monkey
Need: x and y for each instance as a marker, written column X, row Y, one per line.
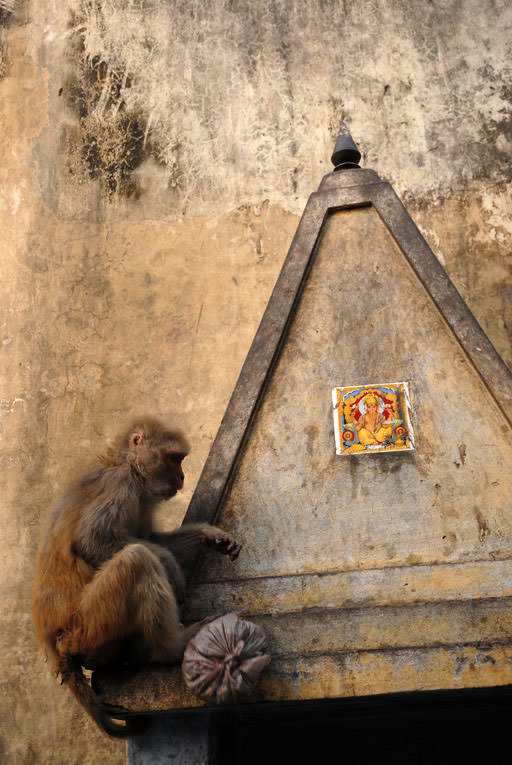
column 107, row 586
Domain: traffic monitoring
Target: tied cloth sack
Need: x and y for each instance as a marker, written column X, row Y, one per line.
column 223, row 661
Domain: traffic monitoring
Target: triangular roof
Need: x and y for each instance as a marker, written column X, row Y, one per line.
column 370, row 573
column 342, row 190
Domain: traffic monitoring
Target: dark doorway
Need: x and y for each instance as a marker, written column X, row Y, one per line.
column 431, row 728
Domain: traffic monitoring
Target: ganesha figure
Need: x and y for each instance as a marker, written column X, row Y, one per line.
column 372, row 428
column 372, row 418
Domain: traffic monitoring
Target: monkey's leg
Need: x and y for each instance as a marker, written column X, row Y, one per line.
column 130, row 594
column 189, row 536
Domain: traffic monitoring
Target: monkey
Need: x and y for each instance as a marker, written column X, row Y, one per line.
column 108, row 586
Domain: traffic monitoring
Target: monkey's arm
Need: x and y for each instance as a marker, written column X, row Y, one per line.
column 183, row 541
column 108, row 522
column 111, row 522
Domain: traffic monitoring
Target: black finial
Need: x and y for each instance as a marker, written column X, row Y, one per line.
column 346, row 153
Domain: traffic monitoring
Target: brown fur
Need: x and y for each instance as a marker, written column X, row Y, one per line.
column 107, row 586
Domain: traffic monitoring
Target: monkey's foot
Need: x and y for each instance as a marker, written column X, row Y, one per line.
column 68, row 643
column 112, row 709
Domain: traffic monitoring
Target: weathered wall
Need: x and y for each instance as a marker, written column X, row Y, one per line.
column 154, row 162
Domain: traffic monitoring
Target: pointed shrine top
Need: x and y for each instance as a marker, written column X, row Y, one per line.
column 346, row 153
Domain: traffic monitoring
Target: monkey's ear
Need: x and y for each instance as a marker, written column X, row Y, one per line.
column 136, row 439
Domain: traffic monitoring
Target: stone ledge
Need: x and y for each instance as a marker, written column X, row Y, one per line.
column 328, row 654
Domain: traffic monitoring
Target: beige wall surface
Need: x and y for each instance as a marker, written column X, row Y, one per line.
column 155, row 159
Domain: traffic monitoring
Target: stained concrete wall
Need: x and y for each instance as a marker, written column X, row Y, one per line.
column 155, row 160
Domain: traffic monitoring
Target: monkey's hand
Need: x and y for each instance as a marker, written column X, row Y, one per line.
column 221, row 542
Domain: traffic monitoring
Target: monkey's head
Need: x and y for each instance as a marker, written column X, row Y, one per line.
column 155, row 452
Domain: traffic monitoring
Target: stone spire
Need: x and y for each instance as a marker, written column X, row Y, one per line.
column 346, row 153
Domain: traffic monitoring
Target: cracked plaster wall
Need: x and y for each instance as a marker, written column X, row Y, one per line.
column 154, row 163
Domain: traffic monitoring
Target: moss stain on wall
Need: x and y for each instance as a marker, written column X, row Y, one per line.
column 109, row 142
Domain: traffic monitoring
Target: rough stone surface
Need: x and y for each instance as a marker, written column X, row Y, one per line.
column 154, row 161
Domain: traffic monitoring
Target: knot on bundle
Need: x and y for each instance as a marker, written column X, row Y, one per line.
column 223, row 662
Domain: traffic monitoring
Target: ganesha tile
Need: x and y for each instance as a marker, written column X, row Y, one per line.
column 371, row 419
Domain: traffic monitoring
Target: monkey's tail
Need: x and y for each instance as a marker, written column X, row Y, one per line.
column 72, row 675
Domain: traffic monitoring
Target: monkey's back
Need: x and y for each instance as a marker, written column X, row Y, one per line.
column 59, row 574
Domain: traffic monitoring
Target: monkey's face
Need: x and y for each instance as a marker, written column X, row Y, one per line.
column 168, row 478
column 157, row 453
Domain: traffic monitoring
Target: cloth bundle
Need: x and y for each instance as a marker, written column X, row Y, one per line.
column 223, row 661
